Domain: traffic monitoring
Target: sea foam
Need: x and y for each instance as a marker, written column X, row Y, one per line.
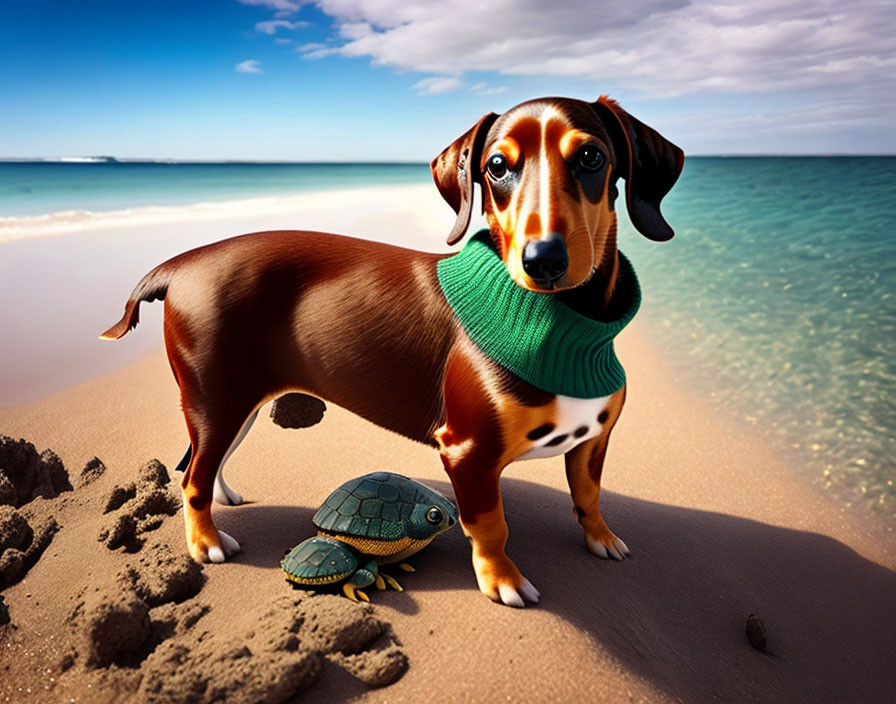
column 71, row 221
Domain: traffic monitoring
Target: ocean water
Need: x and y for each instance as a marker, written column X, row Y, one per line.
column 39, row 188
column 776, row 299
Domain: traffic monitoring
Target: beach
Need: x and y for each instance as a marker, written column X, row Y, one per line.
column 721, row 524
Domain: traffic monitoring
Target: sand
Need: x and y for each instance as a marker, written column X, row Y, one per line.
column 720, row 529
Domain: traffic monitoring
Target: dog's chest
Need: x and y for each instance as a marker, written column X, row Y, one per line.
column 574, row 421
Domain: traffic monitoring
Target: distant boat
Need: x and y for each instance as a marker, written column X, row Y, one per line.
column 84, row 159
column 61, row 160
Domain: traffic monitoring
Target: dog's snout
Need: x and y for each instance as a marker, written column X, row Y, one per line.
column 546, row 260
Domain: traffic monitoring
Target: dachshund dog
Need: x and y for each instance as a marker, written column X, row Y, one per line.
column 367, row 326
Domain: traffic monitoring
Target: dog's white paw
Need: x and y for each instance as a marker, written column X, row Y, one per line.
column 530, row 593
column 516, row 596
column 510, row 596
column 608, row 547
column 519, row 596
column 216, row 554
column 501, row 581
column 229, row 546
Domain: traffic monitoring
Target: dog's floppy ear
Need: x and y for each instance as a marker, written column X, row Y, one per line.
column 649, row 163
column 456, row 169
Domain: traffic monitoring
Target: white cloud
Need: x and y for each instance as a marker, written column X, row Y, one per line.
column 249, row 66
column 663, row 48
column 320, row 53
column 483, row 88
column 271, row 26
column 283, row 8
column 813, row 117
column 437, row 84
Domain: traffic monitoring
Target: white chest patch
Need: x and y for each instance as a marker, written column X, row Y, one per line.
column 576, row 421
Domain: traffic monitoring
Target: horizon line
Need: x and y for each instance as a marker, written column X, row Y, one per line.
column 94, row 160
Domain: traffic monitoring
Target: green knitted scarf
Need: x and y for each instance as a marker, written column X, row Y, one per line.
column 535, row 335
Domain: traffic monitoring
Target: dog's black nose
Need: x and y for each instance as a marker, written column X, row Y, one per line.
column 546, row 260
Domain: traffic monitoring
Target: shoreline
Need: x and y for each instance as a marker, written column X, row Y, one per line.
column 65, row 222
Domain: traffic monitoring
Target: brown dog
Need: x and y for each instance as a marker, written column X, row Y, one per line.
column 367, row 326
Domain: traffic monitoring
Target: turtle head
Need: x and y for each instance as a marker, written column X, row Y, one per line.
column 431, row 516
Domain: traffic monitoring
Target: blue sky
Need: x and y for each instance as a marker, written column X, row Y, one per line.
column 359, row 80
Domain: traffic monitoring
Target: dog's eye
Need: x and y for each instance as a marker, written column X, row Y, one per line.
column 496, row 166
column 590, row 158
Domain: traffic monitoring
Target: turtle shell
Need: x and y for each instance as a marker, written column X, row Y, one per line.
column 319, row 560
column 375, row 506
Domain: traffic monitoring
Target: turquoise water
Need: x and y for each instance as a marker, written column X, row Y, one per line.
column 776, row 298
column 35, row 188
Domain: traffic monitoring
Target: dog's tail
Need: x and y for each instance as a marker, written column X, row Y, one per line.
column 152, row 287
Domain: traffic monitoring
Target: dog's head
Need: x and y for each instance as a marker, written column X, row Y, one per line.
column 548, row 170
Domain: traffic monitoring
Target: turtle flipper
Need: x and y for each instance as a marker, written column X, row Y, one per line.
column 363, row 577
column 353, row 593
column 380, row 583
column 392, row 582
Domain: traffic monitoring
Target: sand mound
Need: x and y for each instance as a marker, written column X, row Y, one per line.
column 28, row 479
column 116, row 624
column 159, row 656
column 15, row 533
column 92, row 471
column 173, row 620
column 22, row 542
column 130, row 623
column 297, row 411
column 277, row 656
column 18, row 548
column 137, row 508
column 179, row 674
column 159, row 576
column 26, row 474
column 111, row 627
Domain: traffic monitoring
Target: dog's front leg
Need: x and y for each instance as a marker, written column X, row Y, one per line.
column 584, row 467
column 475, row 478
column 473, row 454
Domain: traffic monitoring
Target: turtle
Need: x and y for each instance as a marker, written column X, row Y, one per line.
column 376, row 519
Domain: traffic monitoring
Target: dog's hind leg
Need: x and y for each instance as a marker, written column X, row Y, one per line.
column 223, row 493
column 218, row 416
column 211, row 440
